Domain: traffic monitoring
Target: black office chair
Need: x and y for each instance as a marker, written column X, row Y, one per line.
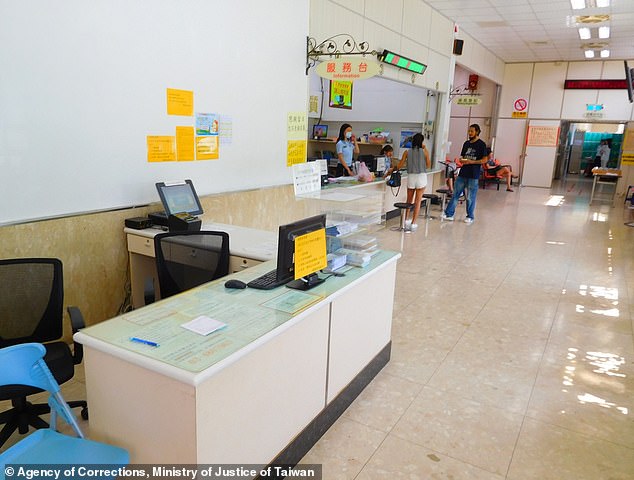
column 31, row 310
column 187, row 259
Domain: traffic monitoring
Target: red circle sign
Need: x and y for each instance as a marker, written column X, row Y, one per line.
column 520, row 104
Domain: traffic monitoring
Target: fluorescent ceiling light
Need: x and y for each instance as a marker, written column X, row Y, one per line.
column 603, row 3
column 589, row 53
column 584, row 33
column 578, row 4
column 605, row 53
column 604, row 32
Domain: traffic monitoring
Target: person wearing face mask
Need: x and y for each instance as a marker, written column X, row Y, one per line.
column 346, row 147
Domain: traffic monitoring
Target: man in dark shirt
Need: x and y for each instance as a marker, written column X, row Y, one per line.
column 473, row 154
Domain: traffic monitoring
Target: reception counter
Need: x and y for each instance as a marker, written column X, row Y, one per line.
column 262, row 389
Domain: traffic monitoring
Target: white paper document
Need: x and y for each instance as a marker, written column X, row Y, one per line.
column 203, row 325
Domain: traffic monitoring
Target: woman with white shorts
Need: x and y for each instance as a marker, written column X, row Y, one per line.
column 418, row 162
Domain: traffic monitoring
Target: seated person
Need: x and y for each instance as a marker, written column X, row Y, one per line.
column 452, row 168
column 388, row 152
column 493, row 168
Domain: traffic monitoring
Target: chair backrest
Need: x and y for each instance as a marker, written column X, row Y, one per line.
column 27, row 367
column 31, row 300
column 187, row 259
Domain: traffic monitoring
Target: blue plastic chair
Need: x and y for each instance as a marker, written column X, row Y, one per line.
column 23, row 364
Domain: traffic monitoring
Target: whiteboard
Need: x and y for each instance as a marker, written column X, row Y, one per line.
column 84, row 83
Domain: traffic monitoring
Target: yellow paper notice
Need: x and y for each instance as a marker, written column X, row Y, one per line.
column 310, row 253
column 295, row 152
column 180, row 102
column 297, row 126
column 207, row 148
column 184, row 144
column 161, row 149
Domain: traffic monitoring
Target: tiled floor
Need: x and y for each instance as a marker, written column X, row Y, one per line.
column 512, row 354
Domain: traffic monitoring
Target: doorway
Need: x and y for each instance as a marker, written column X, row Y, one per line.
column 579, row 143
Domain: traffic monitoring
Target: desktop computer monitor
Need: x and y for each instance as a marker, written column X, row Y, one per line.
column 284, row 274
column 179, row 198
column 369, row 161
column 320, row 132
column 286, row 250
column 382, row 164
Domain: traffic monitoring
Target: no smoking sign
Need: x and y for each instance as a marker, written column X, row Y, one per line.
column 520, row 105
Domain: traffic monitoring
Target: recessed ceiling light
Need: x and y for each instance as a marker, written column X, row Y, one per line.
column 578, row 4
column 605, row 53
column 589, row 53
column 584, row 33
column 604, row 32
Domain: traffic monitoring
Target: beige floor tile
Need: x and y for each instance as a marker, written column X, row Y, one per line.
column 487, row 346
column 399, row 459
column 547, row 452
column 589, row 392
column 537, row 302
column 345, row 449
column 493, row 384
column 475, row 433
column 513, row 319
column 567, row 334
column 592, row 314
column 383, row 402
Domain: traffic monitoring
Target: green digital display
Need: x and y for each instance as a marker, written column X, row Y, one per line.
column 402, row 62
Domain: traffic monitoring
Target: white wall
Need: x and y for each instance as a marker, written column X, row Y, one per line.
column 375, row 99
column 84, row 83
column 463, row 116
column 480, row 60
column 408, row 27
column 542, row 85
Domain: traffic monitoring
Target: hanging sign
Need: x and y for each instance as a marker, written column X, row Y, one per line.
column 348, row 68
column 469, row 101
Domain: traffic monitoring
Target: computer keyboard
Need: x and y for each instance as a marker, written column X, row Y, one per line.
column 267, row 281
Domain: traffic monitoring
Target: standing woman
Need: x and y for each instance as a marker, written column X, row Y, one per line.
column 418, row 162
column 346, row 147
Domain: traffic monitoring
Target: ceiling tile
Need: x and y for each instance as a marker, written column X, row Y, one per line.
column 534, row 20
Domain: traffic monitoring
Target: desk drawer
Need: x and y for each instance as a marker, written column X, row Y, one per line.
column 141, row 245
column 237, row 264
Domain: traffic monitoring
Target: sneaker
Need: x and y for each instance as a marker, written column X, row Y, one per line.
column 468, row 221
column 413, row 227
column 445, row 217
column 408, row 223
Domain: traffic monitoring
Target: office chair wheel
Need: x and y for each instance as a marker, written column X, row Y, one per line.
column 84, row 413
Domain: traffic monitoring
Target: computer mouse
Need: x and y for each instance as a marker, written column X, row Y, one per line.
column 233, row 283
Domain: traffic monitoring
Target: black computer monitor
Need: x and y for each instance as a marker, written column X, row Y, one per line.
column 179, row 197
column 286, row 251
column 369, row 161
